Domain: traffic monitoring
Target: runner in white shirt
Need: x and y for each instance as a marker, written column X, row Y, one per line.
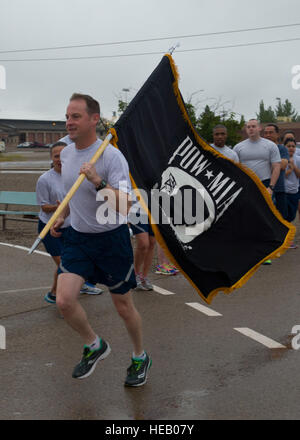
column 292, row 175
column 101, row 249
column 261, row 156
column 220, row 136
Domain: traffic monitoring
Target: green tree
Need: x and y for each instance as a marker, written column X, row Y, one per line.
column 282, row 109
column 207, row 120
column 265, row 115
column 122, row 105
column 286, row 110
column 234, row 128
column 191, row 111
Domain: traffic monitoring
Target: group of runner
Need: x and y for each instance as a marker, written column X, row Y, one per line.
column 87, row 252
column 274, row 160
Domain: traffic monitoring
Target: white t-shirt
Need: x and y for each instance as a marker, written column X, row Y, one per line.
column 226, row 151
column 87, row 213
column 66, row 139
column 258, row 156
column 49, row 190
column 292, row 181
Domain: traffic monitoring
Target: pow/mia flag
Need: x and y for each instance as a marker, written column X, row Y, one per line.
column 214, row 218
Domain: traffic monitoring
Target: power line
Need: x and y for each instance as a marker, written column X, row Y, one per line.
column 152, row 39
column 152, row 53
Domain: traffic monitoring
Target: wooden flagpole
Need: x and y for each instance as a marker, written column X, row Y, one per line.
column 69, row 195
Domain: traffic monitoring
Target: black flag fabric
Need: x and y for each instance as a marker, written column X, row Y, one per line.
column 213, row 217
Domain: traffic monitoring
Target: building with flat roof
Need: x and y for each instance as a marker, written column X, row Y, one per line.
column 16, row 131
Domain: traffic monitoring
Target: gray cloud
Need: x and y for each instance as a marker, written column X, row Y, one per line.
column 240, row 76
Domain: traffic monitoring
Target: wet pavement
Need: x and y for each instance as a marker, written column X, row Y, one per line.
column 203, row 369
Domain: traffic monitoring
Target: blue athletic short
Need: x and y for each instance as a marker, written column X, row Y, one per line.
column 53, row 245
column 105, row 258
column 141, row 227
column 292, row 206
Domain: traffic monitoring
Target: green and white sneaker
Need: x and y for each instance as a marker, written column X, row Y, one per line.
column 137, row 373
column 89, row 360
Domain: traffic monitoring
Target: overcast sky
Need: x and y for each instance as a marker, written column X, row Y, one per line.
column 237, row 78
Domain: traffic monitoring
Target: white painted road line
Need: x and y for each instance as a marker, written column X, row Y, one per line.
column 25, row 290
column 156, row 288
column 162, row 291
column 203, row 309
column 15, row 246
column 259, row 337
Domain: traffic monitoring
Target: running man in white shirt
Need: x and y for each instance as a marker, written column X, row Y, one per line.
column 96, row 246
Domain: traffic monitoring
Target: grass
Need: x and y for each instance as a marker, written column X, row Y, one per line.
column 11, row 157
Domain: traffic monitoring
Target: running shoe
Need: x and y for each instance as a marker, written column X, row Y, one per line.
column 138, row 371
column 172, row 267
column 89, row 360
column 50, row 298
column 146, row 284
column 139, row 282
column 163, row 269
column 293, row 246
column 90, row 289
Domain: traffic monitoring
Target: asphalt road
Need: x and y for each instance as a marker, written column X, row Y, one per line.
column 203, row 368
